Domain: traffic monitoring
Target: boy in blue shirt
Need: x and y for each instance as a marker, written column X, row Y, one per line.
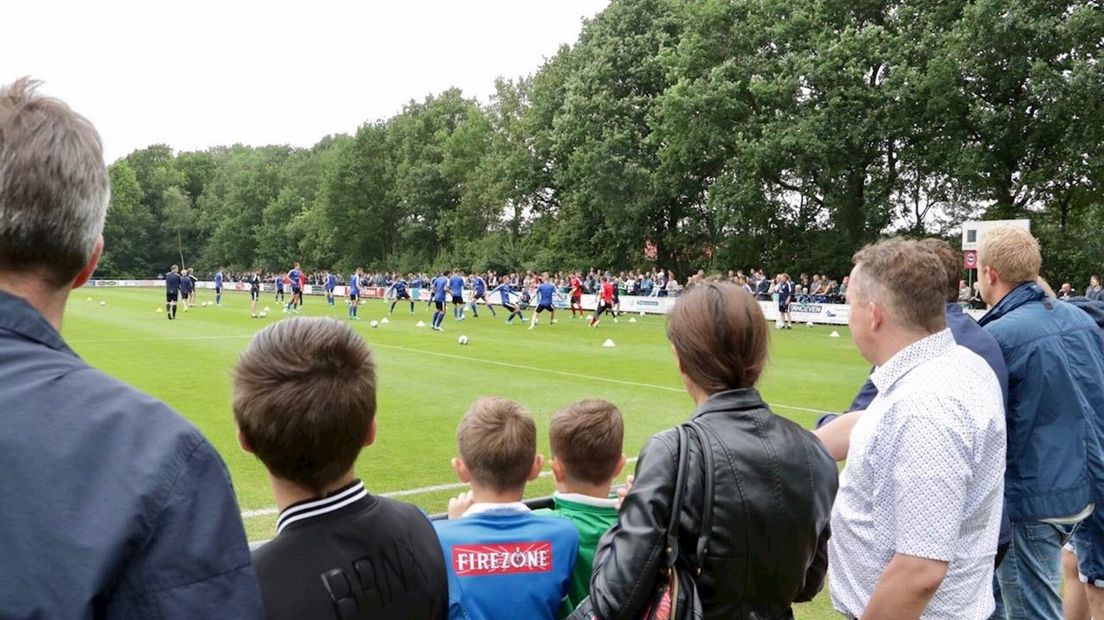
column 545, row 291
column 502, row 560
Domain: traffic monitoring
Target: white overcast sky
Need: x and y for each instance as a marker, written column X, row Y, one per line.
column 205, row 73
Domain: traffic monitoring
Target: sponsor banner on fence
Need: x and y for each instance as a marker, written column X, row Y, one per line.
column 804, row 312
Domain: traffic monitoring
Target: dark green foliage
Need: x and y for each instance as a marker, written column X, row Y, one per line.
column 781, row 134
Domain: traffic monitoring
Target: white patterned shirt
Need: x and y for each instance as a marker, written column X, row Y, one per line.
column 925, row 478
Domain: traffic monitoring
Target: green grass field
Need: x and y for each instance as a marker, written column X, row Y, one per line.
column 427, row 380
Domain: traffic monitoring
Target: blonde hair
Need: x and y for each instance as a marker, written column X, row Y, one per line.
column 1012, row 252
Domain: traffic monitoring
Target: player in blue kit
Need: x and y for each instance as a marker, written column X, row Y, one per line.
column 186, row 284
column 354, row 294
column 456, row 288
column 331, row 284
column 254, row 291
column 398, row 286
column 296, row 303
column 438, row 288
column 479, row 292
column 279, row 282
column 545, row 293
column 172, row 291
column 505, row 290
column 218, row 287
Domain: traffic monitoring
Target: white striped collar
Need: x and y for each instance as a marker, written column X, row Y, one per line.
column 315, row 507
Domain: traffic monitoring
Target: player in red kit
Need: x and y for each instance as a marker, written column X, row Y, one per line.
column 576, row 295
column 605, row 301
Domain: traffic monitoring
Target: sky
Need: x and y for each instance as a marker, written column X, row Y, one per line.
column 207, row 73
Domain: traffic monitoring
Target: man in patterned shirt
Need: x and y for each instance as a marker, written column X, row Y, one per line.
column 915, row 524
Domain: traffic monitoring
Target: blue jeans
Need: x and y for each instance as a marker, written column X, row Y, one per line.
column 1031, row 572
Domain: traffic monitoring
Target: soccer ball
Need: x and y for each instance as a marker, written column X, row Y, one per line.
column 264, row 314
column 374, row 324
column 810, row 323
column 463, row 340
column 779, row 324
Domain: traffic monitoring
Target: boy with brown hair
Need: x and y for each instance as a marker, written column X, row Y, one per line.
column 586, row 439
column 503, row 561
column 304, row 399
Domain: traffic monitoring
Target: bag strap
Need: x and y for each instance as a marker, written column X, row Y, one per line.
column 676, row 504
column 707, row 507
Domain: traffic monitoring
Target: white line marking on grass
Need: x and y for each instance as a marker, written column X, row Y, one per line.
column 451, row 486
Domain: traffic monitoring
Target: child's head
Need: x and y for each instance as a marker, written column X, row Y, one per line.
column 305, row 400
column 497, row 441
column 586, row 439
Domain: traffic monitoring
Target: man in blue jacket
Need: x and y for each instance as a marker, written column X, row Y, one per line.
column 113, row 506
column 1055, row 469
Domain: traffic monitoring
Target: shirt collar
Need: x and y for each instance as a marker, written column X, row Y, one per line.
column 586, row 500
column 491, row 508
column 910, row 357
column 20, row 317
column 316, row 507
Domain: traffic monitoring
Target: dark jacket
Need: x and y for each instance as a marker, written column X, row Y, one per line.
column 774, row 485
column 111, row 504
column 1055, row 359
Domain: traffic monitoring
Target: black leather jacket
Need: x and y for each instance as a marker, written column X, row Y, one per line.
column 774, row 485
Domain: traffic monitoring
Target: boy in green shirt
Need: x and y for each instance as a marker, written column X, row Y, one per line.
column 586, row 441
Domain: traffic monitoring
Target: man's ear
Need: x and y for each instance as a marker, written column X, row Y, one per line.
column 538, row 463
column 86, row 272
column 244, row 443
column 461, row 470
column 877, row 315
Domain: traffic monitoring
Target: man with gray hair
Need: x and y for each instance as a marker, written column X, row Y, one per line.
column 916, row 520
column 113, row 505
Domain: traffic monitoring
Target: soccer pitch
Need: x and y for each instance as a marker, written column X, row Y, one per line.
column 426, row 380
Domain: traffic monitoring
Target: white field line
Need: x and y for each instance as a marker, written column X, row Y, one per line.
column 260, row 512
column 452, row 486
column 465, row 358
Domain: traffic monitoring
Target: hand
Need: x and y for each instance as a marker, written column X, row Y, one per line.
column 458, row 505
column 623, row 491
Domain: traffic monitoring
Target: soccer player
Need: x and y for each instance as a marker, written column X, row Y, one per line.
column 185, row 288
column 545, row 291
column 254, row 291
column 576, row 295
column 504, row 291
column 438, row 288
column 331, row 283
column 479, row 291
column 295, row 276
column 785, row 294
column 172, row 291
column 279, row 282
column 605, row 301
column 354, row 294
column 398, row 285
column 218, row 287
column 456, row 287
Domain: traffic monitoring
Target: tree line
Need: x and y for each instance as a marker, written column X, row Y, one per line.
column 706, row 134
